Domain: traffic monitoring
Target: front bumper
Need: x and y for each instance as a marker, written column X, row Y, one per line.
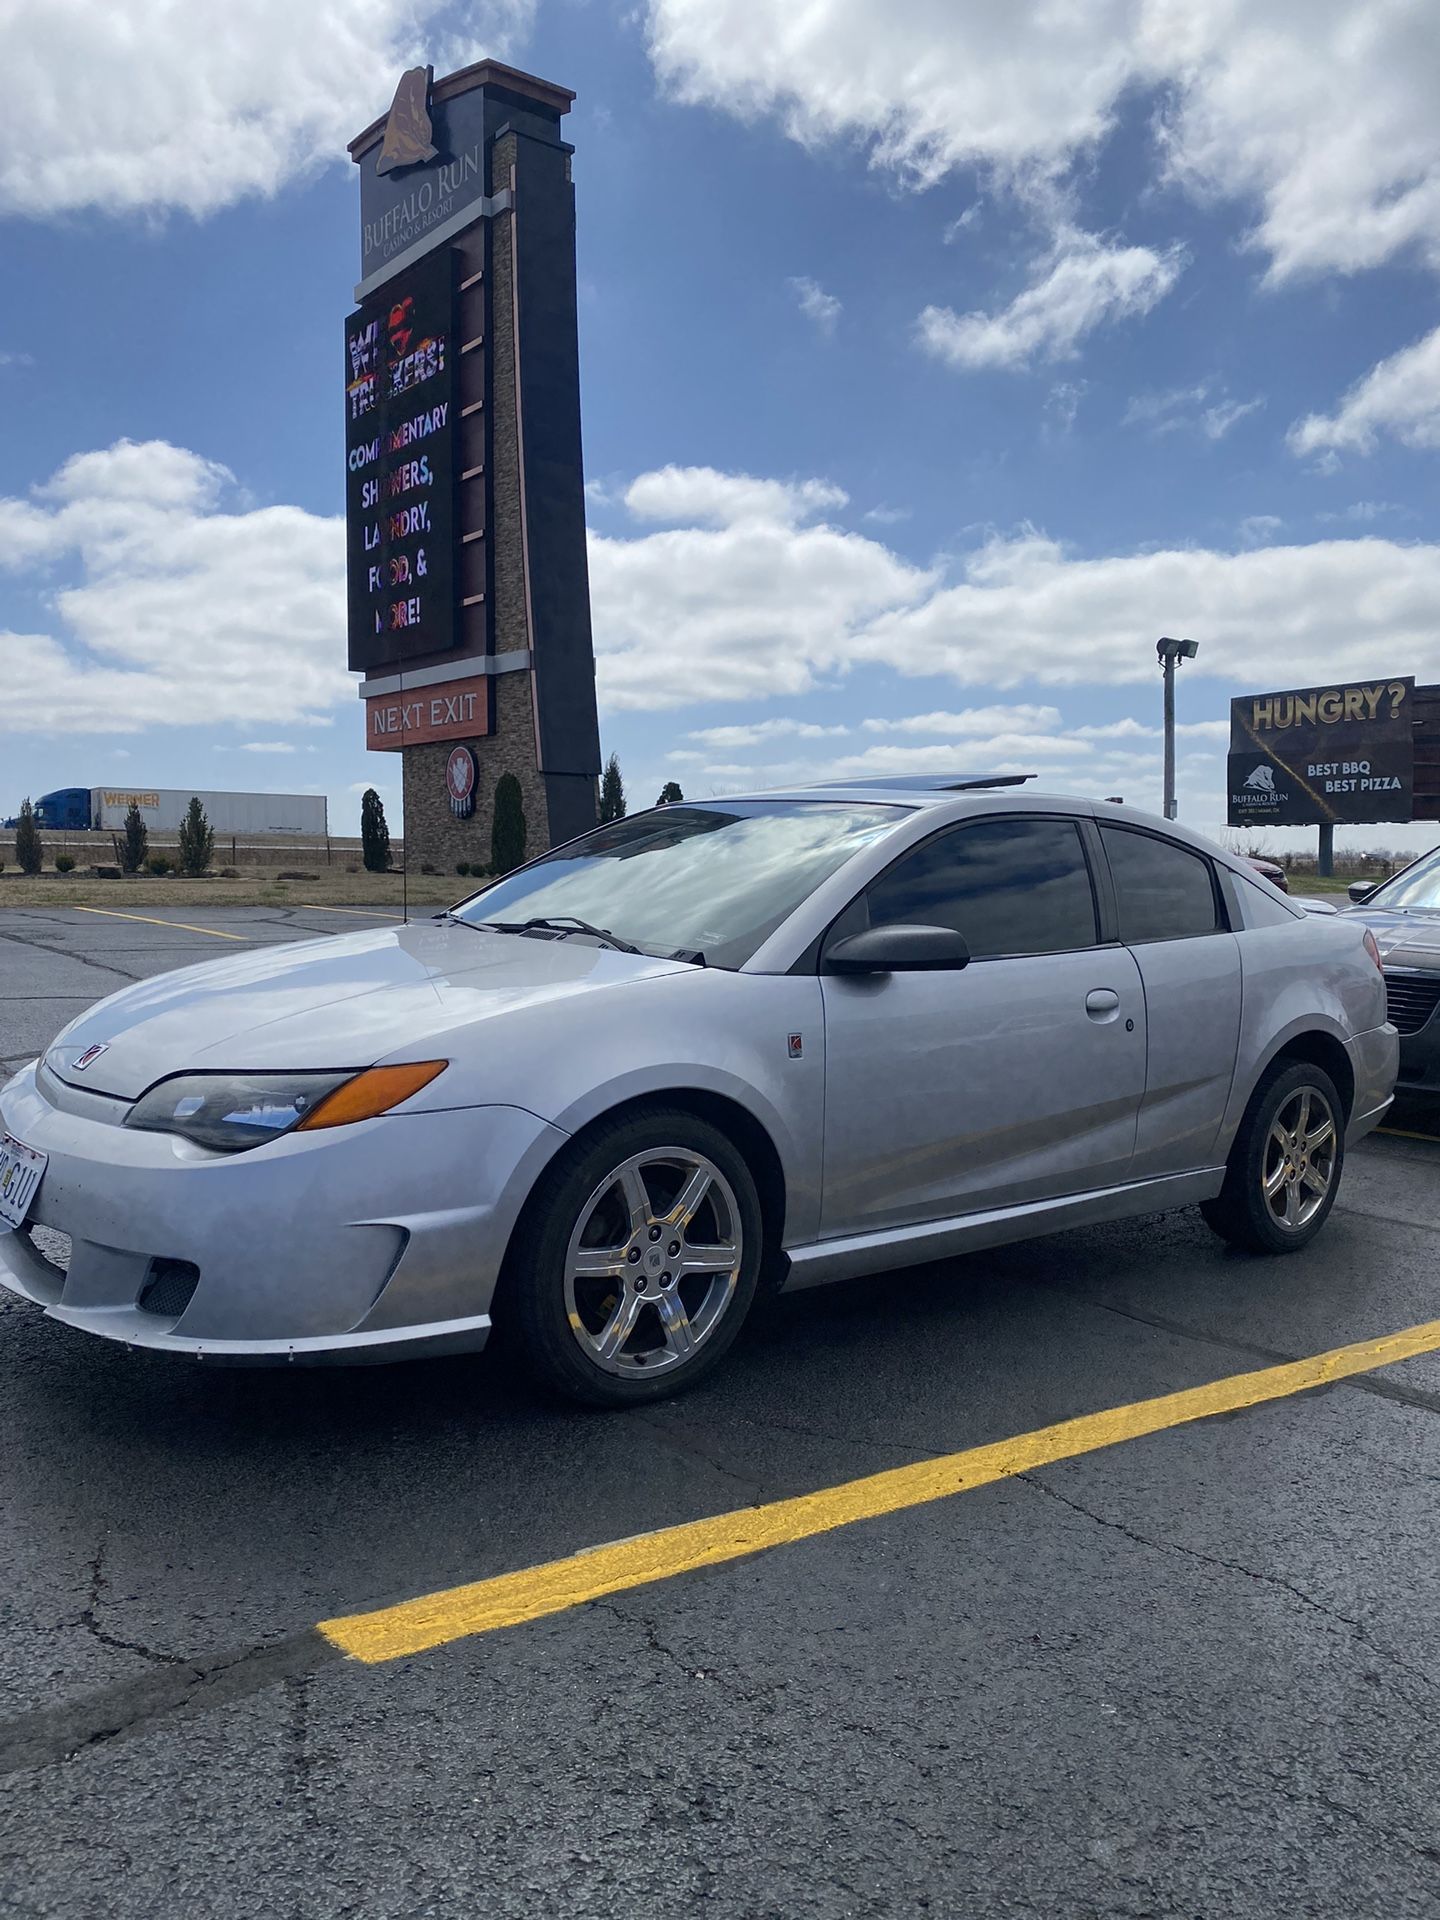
column 371, row 1242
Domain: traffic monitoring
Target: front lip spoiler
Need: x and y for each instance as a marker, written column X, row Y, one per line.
column 127, row 1327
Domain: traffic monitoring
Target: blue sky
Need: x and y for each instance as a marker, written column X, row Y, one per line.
column 926, row 379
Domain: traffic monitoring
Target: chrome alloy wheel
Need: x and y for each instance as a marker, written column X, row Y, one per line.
column 1299, row 1161
column 654, row 1261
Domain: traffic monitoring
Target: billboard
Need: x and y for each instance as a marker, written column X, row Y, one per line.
column 401, row 421
column 1329, row 756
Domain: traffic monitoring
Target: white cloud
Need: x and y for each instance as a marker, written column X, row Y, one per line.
column 746, row 605
column 1184, row 408
column 1216, row 421
column 884, row 516
column 1400, row 396
column 124, row 106
column 1082, row 282
column 1164, row 412
column 1259, row 529
column 11, row 359
column 971, row 721
column 703, row 495
column 173, row 610
column 1026, row 611
column 817, row 305
column 1062, row 404
column 1014, row 83
column 1319, row 116
column 757, row 609
column 1364, row 512
column 266, row 746
column 753, row 733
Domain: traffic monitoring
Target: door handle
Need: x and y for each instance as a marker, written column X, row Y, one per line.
column 1102, row 1003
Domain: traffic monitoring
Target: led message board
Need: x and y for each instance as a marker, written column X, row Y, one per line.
column 400, row 427
column 1337, row 755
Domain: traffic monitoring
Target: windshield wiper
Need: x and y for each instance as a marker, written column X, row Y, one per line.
column 562, row 924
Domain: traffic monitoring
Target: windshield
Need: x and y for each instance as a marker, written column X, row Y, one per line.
column 1416, row 890
column 710, row 881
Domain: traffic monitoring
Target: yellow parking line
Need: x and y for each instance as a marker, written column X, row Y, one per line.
column 365, row 913
column 1404, row 1133
column 390, row 1633
column 180, row 926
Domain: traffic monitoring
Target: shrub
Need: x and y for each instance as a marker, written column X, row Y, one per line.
column 197, row 842
column 2, row 866
column 158, row 864
column 612, row 792
column 289, row 873
column 462, row 867
column 507, row 831
column 352, row 869
column 133, row 844
column 29, row 848
column 106, row 873
column 425, row 867
column 229, row 873
column 374, row 834
column 64, row 863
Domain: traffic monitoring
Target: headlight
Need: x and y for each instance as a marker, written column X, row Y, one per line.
column 231, row 1111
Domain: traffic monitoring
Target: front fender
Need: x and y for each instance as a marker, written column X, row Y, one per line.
column 755, row 1039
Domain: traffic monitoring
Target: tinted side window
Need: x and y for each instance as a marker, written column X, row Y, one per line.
column 1009, row 886
column 1257, row 903
column 1163, row 892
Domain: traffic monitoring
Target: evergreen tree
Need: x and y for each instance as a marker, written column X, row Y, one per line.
column 669, row 794
column 197, row 842
column 132, row 847
column 612, row 792
column 29, row 850
column 507, row 831
column 374, row 834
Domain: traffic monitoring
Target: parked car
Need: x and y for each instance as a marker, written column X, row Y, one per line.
column 773, row 1040
column 1272, row 871
column 1404, row 915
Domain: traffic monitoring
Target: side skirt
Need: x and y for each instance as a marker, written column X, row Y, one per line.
column 821, row 1261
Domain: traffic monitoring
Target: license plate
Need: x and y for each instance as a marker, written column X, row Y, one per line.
column 20, row 1170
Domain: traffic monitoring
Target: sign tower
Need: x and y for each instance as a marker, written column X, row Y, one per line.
column 469, row 601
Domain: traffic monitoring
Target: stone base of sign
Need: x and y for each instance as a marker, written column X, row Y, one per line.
column 433, row 836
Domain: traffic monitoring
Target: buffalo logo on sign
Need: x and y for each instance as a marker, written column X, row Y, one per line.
column 407, row 131
column 1323, row 755
column 462, row 774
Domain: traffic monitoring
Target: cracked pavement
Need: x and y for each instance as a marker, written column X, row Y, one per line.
column 1194, row 1675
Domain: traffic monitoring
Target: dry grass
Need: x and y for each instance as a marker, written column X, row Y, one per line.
column 255, row 887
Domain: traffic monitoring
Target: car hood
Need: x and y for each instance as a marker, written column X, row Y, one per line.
column 329, row 1003
column 1404, row 939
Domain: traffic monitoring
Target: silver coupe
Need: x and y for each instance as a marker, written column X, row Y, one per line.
column 706, row 1050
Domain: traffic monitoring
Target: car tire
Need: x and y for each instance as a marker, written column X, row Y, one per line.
column 608, row 1287
column 1284, row 1168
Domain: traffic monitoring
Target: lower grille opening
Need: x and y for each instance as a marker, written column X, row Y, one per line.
column 52, row 1247
column 169, row 1287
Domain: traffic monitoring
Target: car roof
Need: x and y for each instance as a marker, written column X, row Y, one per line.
column 956, row 795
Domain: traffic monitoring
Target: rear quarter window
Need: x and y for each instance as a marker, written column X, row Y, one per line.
column 1163, row 891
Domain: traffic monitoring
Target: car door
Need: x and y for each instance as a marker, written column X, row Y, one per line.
column 1018, row 1077
column 1170, row 915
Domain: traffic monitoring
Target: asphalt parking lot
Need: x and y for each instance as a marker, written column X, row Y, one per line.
column 1192, row 1672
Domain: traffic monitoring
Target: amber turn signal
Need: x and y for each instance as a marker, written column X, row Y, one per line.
column 372, row 1092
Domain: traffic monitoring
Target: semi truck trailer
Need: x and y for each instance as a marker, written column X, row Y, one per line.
column 76, row 809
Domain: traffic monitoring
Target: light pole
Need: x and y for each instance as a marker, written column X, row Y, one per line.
column 1168, row 652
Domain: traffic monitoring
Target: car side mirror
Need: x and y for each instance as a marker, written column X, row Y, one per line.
column 1360, row 891
column 899, row 949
